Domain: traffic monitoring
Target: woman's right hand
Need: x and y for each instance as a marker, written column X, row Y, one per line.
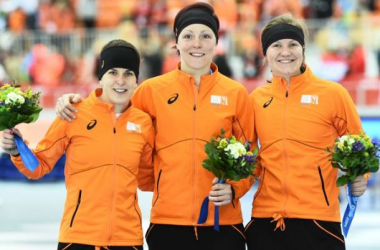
column 8, row 141
column 64, row 108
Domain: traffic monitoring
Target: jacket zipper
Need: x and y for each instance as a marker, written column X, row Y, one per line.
column 77, row 207
column 113, row 118
column 260, row 185
column 158, row 183
column 137, row 211
column 195, row 95
column 323, row 185
column 285, row 154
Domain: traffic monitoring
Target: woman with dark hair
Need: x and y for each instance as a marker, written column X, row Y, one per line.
column 108, row 155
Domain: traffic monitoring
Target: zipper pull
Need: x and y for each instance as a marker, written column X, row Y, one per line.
column 195, row 107
column 114, row 130
column 286, row 95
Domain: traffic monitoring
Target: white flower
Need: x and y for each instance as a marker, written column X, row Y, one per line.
column 14, row 98
column 236, row 150
column 343, row 138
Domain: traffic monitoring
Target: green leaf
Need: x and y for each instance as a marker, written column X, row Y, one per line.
column 343, row 180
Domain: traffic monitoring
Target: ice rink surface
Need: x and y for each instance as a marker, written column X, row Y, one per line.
column 30, row 213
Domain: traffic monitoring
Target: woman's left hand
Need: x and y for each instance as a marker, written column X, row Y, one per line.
column 359, row 186
column 220, row 194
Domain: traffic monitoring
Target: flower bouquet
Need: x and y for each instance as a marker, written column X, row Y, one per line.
column 227, row 159
column 354, row 155
column 18, row 106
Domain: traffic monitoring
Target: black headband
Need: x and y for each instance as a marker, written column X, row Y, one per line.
column 119, row 57
column 196, row 15
column 281, row 31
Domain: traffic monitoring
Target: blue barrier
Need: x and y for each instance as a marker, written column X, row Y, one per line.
column 9, row 172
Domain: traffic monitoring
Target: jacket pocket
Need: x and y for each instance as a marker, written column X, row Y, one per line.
column 76, row 209
column 137, row 208
column 329, row 230
column 248, row 225
column 240, row 230
column 150, row 228
column 157, row 187
column 261, row 181
column 323, row 185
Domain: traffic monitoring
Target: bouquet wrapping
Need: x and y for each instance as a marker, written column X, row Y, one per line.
column 227, row 159
column 354, row 155
column 18, row 106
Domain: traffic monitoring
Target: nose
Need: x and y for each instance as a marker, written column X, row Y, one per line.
column 197, row 43
column 285, row 51
column 121, row 79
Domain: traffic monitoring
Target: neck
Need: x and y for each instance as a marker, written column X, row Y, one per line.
column 121, row 108
column 197, row 74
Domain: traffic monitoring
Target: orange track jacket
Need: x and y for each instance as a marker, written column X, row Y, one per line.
column 185, row 118
column 105, row 159
column 295, row 125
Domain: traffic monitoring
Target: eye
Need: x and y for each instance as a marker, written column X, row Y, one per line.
column 276, row 45
column 113, row 72
column 294, row 44
column 129, row 73
column 186, row 36
column 206, row 36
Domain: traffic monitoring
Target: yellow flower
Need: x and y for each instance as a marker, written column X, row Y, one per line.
column 223, row 143
column 340, row 145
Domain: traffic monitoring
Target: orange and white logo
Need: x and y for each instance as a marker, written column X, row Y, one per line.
column 219, row 100
column 309, row 99
column 133, row 127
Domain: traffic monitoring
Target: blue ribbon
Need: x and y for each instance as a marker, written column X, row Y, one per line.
column 28, row 158
column 350, row 210
column 204, row 211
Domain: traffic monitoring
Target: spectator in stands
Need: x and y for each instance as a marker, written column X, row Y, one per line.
column 17, row 20
column 86, row 11
column 108, row 154
column 297, row 116
column 189, row 105
column 46, row 67
column 30, row 8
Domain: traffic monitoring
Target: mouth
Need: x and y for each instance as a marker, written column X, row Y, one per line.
column 285, row 61
column 195, row 54
column 120, row 90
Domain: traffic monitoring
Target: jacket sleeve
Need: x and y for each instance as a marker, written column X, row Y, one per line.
column 243, row 128
column 145, row 176
column 143, row 99
column 48, row 151
column 346, row 118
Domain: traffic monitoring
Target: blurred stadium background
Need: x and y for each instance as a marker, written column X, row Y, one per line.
column 53, row 46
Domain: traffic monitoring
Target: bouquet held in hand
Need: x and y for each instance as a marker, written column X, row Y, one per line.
column 227, row 159
column 354, row 155
column 18, row 106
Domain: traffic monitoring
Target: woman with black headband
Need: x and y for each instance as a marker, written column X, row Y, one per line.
column 297, row 116
column 188, row 106
column 108, row 154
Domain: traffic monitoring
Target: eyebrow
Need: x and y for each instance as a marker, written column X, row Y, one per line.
column 291, row 40
column 126, row 70
column 202, row 31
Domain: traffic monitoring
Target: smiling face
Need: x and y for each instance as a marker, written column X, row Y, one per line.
column 118, row 86
column 196, row 44
column 285, row 58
